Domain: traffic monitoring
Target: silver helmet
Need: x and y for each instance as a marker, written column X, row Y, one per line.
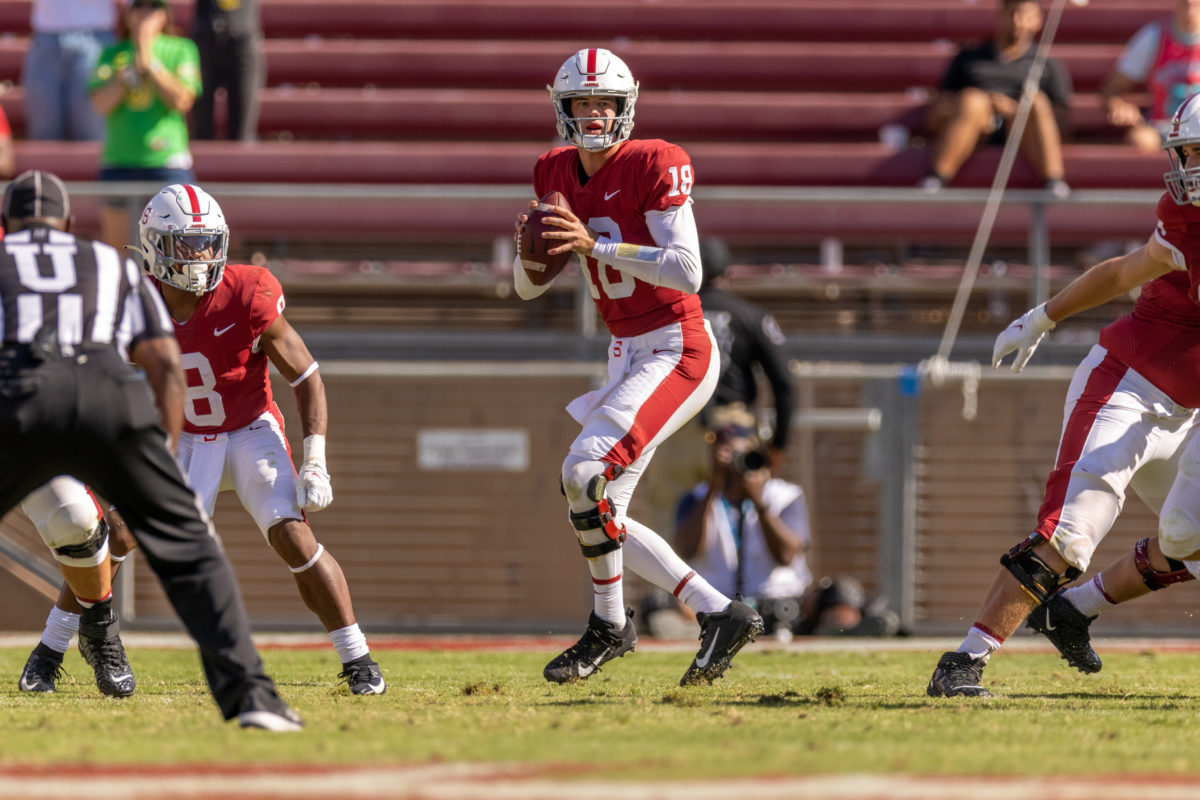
column 594, row 72
column 183, row 238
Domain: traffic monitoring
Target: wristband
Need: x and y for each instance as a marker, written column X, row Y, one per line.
column 314, row 448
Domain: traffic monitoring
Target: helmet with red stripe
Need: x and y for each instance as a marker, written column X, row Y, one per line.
column 183, row 238
column 594, row 72
column 1183, row 182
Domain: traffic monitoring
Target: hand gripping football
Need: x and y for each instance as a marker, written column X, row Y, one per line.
column 540, row 267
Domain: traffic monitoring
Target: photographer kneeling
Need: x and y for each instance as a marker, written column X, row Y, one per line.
column 747, row 532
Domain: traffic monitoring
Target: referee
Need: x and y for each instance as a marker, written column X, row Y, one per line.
column 70, row 309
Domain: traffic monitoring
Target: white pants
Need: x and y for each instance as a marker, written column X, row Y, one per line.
column 254, row 461
column 1119, row 432
column 656, row 383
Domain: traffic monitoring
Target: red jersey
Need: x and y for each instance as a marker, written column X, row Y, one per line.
column 1160, row 338
column 227, row 380
column 643, row 175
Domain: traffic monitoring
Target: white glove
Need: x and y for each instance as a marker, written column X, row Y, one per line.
column 1023, row 335
column 314, row 492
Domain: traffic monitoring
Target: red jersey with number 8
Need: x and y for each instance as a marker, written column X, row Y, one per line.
column 643, row 175
column 228, row 386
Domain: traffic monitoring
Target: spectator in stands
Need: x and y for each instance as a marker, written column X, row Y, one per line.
column 747, row 533
column 228, row 34
column 750, row 340
column 144, row 85
column 68, row 36
column 979, row 95
column 1163, row 57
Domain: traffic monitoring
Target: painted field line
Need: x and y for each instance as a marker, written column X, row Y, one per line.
column 508, row 782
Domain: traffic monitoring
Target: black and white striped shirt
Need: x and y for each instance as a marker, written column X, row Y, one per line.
column 84, row 290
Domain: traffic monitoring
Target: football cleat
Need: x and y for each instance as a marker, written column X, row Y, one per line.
column 598, row 645
column 363, row 676
column 722, row 635
column 1067, row 629
column 957, row 675
column 100, row 645
column 269, row 713
column 42, row 669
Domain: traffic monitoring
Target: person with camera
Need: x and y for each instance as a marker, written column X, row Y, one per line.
column 747, row 531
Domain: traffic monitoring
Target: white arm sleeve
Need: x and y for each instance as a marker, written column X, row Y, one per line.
column 1138, row 56
column 526, row 289
column 675, row 263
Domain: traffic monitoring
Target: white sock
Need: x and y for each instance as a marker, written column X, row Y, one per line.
column 979, row 643
column 349, row 643
column 60, row 627
column 607, row 587
column 649, row 555
column 1090, row 598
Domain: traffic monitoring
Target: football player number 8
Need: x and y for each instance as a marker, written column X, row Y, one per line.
column 204, row 391
column 614, row 284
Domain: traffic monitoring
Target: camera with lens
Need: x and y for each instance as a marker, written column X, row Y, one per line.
column 748, row 461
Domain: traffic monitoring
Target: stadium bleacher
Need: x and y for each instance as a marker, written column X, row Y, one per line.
column 766, row 93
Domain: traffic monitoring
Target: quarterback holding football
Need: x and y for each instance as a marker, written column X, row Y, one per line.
column 628, row 222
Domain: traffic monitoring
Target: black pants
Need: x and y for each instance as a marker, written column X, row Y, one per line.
column 97, row 422
column 234, row 63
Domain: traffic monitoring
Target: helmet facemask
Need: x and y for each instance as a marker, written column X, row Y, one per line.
column 192, row 260
column 594, row 73
column 1183, row 182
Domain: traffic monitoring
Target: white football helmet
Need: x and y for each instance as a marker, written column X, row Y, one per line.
column 594, row 72
column 1183, row 182
column 183, row 238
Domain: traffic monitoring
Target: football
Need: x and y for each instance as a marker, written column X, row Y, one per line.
column 540, row 267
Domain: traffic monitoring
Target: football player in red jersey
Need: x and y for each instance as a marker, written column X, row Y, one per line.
column 631, row 228
column 229, row 323
column 1130, row 416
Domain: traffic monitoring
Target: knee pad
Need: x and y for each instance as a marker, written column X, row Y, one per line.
column 1178, row 533
column 1157, row 579
column 1037, row 577
column 82, row 547
column 600, row 516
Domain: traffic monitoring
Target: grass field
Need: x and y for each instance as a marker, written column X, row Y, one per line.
column 778, row 712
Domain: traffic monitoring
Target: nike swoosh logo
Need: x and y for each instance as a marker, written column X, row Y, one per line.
column 26, row 686
column 218, row 332
column 703, row 660
column 610, row 195
column 1049, row 627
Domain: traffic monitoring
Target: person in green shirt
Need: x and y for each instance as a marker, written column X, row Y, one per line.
column 143, row 85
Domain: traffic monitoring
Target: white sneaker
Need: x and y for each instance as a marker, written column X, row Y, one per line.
column 931, row 184
column 278, row 718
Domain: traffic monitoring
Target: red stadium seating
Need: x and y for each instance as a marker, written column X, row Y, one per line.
column 487, row 115
column 511, row 163
column 661, row 66
column 1110, row 21
column 761, row 92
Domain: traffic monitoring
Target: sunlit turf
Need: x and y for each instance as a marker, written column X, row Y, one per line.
column 777, row 712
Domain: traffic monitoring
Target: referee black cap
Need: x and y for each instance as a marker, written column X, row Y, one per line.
column 35, row 193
